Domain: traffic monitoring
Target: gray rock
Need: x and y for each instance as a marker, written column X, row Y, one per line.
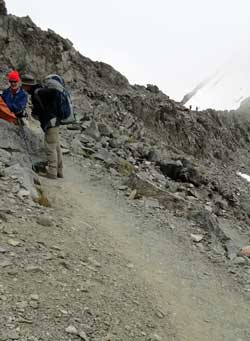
column 93, row 131
column 3, row 249
column 151, row 203
column 71, row 330
column 5, row 157
column 105, row 156
column 232, row 249
column 104, row 129
column 209, row 223
column 34, row 269
column 44, row 221
column 119, row 142
column 239, row 261
column 182, row 170
column 154, row 156
column 13, row 335
column 146, row 188
column 14, row 242
column 155, row 337
column 34, row 304
column 5, row 263
column 245, row 205
column 27, row 178
column 83, row 336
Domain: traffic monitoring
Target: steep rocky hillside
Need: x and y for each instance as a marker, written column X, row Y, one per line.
column 101, row 91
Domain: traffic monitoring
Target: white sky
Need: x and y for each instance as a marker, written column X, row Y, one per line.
column 174, row 44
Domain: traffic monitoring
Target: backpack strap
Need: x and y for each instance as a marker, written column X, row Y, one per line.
column 36, row 95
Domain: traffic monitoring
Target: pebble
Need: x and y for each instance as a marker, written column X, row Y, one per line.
column 196, row 237
column 83, row 336
column 71, row 330
column 94, row 262
column 239, row 260
column 133, row 194
column 123, row 188
column 5, row 263
column 22, row 305
column 34, row 304
column 44, row 221
column 155, row 337
column 23, row 193
column 14, row 242
column 34, row 297
column 13, row 335
column 3, row 249
column 33, row 269
column 130, row 266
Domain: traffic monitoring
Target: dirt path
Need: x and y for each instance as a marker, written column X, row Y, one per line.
column 192, row 299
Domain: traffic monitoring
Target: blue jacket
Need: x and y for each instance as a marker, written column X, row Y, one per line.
column 16, row 103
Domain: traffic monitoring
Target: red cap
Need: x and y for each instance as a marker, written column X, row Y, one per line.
column 14, row 76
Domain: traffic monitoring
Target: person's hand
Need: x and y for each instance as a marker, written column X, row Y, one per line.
column 20, row 114
column 34, row 116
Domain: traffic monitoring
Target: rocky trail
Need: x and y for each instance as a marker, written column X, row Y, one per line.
column 96, row 267
column 190, row 298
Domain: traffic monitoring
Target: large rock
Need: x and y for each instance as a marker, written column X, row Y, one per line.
column 148, row 189
column 93, row 131
column 15, row 139
column 181, row 170
column 27, row 179
column 209, row 223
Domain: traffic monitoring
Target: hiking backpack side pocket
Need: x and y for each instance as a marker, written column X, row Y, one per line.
column 67, row 111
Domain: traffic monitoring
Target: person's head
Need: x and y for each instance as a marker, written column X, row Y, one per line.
column 14, row 80
column 27, row 82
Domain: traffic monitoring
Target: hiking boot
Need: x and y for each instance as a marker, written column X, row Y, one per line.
column 60, row 175
column 51, row 176
column 48, row 175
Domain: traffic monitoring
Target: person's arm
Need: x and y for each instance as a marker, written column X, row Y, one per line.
column 19, row 105
column 4, row 95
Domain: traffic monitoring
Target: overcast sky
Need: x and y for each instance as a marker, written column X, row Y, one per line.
column 174, row 44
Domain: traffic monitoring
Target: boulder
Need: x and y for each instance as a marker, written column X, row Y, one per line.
column 181, row 170
column 208, row 222
column 93, row 131
column 146, row 188
column 26, row 177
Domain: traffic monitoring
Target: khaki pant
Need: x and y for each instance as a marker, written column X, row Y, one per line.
column 53, row 151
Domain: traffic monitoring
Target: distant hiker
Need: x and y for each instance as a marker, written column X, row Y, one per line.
column 13, row 100
column 190, row 107
column 197, row 109
column 46, row 108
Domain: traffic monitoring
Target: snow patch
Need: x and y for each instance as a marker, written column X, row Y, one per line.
column 244, row 176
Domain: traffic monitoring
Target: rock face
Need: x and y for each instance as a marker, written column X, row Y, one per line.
column 16, row 157
column 3, row 10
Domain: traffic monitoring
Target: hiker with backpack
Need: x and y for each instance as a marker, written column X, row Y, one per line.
column 48, row 104
column 13, row 100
